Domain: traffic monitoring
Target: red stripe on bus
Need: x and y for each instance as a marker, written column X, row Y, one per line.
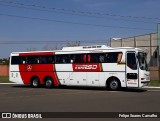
column 27, row 71
column 40, row 70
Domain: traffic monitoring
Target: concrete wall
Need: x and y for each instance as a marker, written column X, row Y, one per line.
column 154, row 73
column 4, row 70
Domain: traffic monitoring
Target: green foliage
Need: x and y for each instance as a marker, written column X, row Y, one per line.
column 4, row 61
column 4, row 79
column 154, row 83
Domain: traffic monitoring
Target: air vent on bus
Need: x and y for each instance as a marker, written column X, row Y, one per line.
column 99, row 46
column 85, row 47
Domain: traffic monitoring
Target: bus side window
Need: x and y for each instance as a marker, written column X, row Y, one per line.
column 33, row 60
column 72, row 58
column 89, row 58
column 95, row 58
column 23, row 60
column 119, row 57
column 131, row 61
column 79, row 58
column 106, row 58
column 101, row 58
column 59, row 59
column 15, row 60
column 84, row 58
column 37, row 60
column 43, row 59
column 51, row 59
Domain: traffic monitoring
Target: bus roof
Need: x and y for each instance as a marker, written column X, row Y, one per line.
column 85, row 48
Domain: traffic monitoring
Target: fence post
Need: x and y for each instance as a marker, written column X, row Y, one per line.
column 158, row 64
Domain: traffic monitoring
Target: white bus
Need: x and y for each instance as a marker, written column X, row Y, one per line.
column 98, row 65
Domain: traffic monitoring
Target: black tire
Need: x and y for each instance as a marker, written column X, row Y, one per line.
column 35, row 82
column 113, row 84
column 48, row 82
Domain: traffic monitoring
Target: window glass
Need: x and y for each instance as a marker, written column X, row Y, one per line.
column 131, row 61
column 71, row 58
column 79, row 58
column 97, row 58
column 62, row 58
column 112, row 57
column 142, row 61
column 47, row 59
column 33, row 60
column 18, row 60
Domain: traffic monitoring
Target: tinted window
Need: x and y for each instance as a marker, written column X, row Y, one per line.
column 33, row 59
column 131, row 61
column 48, row 59
column 111, row 57
column 71, row 58
column 80, row 58
column 18, row 60
column 142, row 61
column 97, row 58
column 62, row 58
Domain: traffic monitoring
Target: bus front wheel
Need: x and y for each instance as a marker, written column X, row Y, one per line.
column 113, row 84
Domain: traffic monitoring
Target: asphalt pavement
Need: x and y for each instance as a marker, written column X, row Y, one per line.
column 20, row 98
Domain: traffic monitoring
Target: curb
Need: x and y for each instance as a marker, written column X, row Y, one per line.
column 7, row 83
column 149, row 87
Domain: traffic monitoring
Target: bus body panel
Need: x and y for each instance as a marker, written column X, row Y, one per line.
column 39, row 70
column 144, row 77
column 113, row 67
column 63, row 77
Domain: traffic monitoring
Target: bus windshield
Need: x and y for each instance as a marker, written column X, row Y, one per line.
column 142, row 61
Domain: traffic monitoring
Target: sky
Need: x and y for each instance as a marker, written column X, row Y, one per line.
column 34, row 24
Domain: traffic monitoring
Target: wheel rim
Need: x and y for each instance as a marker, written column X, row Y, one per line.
column 48, row 83
column 35, row 83
column 114, row 84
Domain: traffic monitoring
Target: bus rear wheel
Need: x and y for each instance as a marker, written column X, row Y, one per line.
column 35, row 82
column 113, row 84
column 49, row 82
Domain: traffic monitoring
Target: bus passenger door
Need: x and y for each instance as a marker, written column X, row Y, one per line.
column 131, row 70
